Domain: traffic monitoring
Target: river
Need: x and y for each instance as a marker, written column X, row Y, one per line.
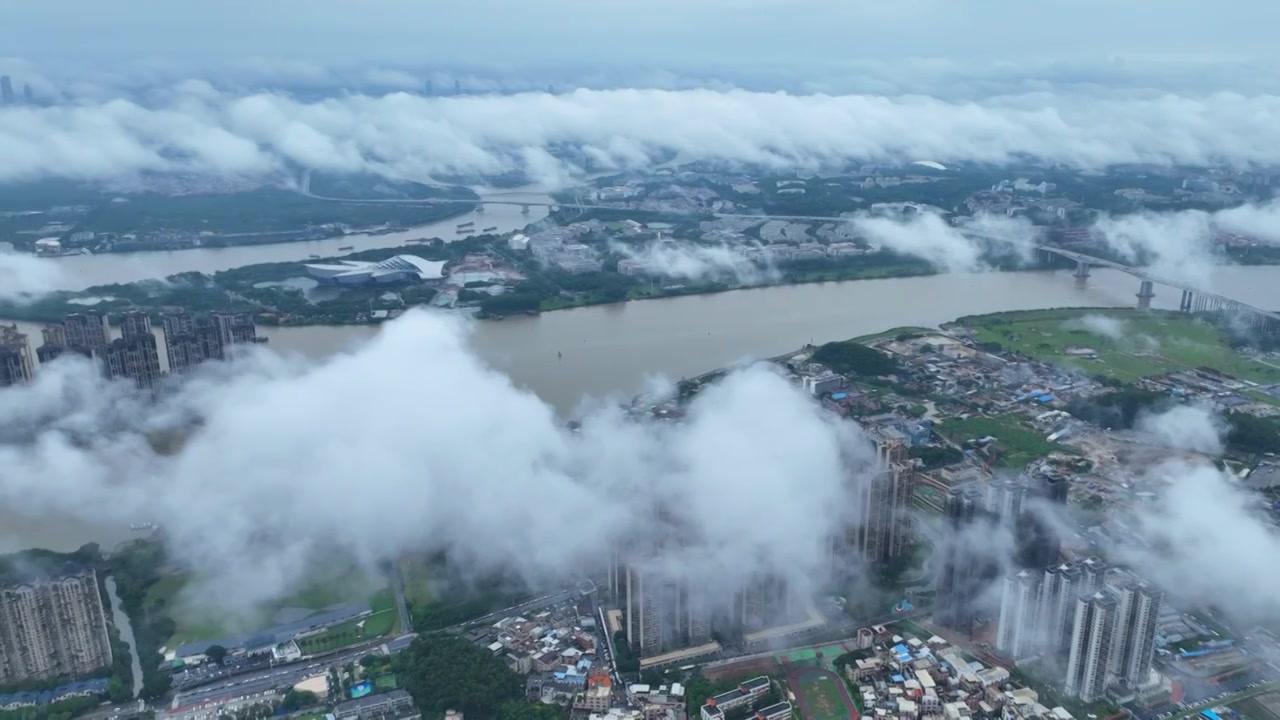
column 82, row 271
column 570, row 355
column 611, row 350
column 126, row 633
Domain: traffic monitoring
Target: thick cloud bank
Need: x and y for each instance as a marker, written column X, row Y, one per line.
column 410, row 443
column 24, row 276
column 197, row 128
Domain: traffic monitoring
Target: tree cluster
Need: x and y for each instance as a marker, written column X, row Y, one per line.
column 852, row 358
column 136, row 568
column 446, row 672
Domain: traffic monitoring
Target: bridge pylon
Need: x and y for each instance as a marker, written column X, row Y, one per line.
column 524, row 209
column 1082, row 270
column 1188, row 298
column 1146, row 291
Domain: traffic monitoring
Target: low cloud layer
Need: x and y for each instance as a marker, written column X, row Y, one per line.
column 1209, row 542
column 694, row 262
column 1186, row 427
column 1107, row 327
column 195, row 127
column 928, row 236
column 364, row 456
column 23, row 277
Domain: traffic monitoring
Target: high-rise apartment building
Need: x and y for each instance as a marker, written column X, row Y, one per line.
column 53, row 627
column 1091, row 639
column 883, row 528
column 1137, row 608
column 136, row 358
column 1038, row 543
column 134, row 323
column 6, row 90
column 966, row 565
column 16, row 363
column 235, row 328
column 1017, row 635
column 87, row 330
column 1100, row 621
column 646, row 604
column 765, row 601
column 190, row 341
column 1046, row 628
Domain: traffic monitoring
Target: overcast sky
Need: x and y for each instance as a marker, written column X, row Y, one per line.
column 822, row 42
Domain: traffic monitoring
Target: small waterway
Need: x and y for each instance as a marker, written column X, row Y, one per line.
column 126, row 633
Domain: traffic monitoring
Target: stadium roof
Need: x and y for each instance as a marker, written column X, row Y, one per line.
column 399, row 267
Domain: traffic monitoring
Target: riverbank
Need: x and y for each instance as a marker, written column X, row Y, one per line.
column 438, row 213
column 280, row 294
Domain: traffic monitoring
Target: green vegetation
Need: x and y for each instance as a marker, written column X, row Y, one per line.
column 1118, row 409
column 295, row 700
column 375, row 625
column 1019, row 443
column 1141, row 343
column 824, row 695
column 446, row 672
column 61, row 710
column 854, row 358
column 264, row 210
column 458, row 601
column 136, row 568
column 626, row 660
column 933, row 456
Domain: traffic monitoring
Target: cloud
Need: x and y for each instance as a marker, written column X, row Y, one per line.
column 1207, row 542
column 691, row 261
column 1103, row 325
column 928, row 236
column 1186, row 427
column 1177, row 246
column 23, row 277
column 193, row 128
column 1258, row 221
column 362, row 456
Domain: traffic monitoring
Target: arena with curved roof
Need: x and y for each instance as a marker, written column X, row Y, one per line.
column 400, row 268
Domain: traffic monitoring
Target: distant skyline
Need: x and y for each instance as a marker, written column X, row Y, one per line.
column 940, row 47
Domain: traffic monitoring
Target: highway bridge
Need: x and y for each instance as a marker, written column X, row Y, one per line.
column 1194, row 299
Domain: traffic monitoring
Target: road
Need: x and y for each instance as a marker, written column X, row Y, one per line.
column 402, row 604
column 267, row 679
column 535, row 604
column 1227, row 700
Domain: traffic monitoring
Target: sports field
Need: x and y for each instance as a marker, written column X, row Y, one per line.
column 824, row 656
column 1125, row 344
column 821, row 695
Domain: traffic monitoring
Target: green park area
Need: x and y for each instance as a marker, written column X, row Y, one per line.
column 194, row 623
column 1019, row 443
column 1121, row 344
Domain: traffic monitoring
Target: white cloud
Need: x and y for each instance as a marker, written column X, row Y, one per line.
column 365, row 456
column 1208, row 542
column 191, row 127
column 1177, row 246
column 1186, row 427
column 1103, row 325
column 24, row 276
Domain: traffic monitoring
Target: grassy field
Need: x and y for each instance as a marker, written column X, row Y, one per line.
column 416, row 573
column 1129, row 344
column 1021, row 444
column 823, row 696
column 381, row 622
column 194, row 623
